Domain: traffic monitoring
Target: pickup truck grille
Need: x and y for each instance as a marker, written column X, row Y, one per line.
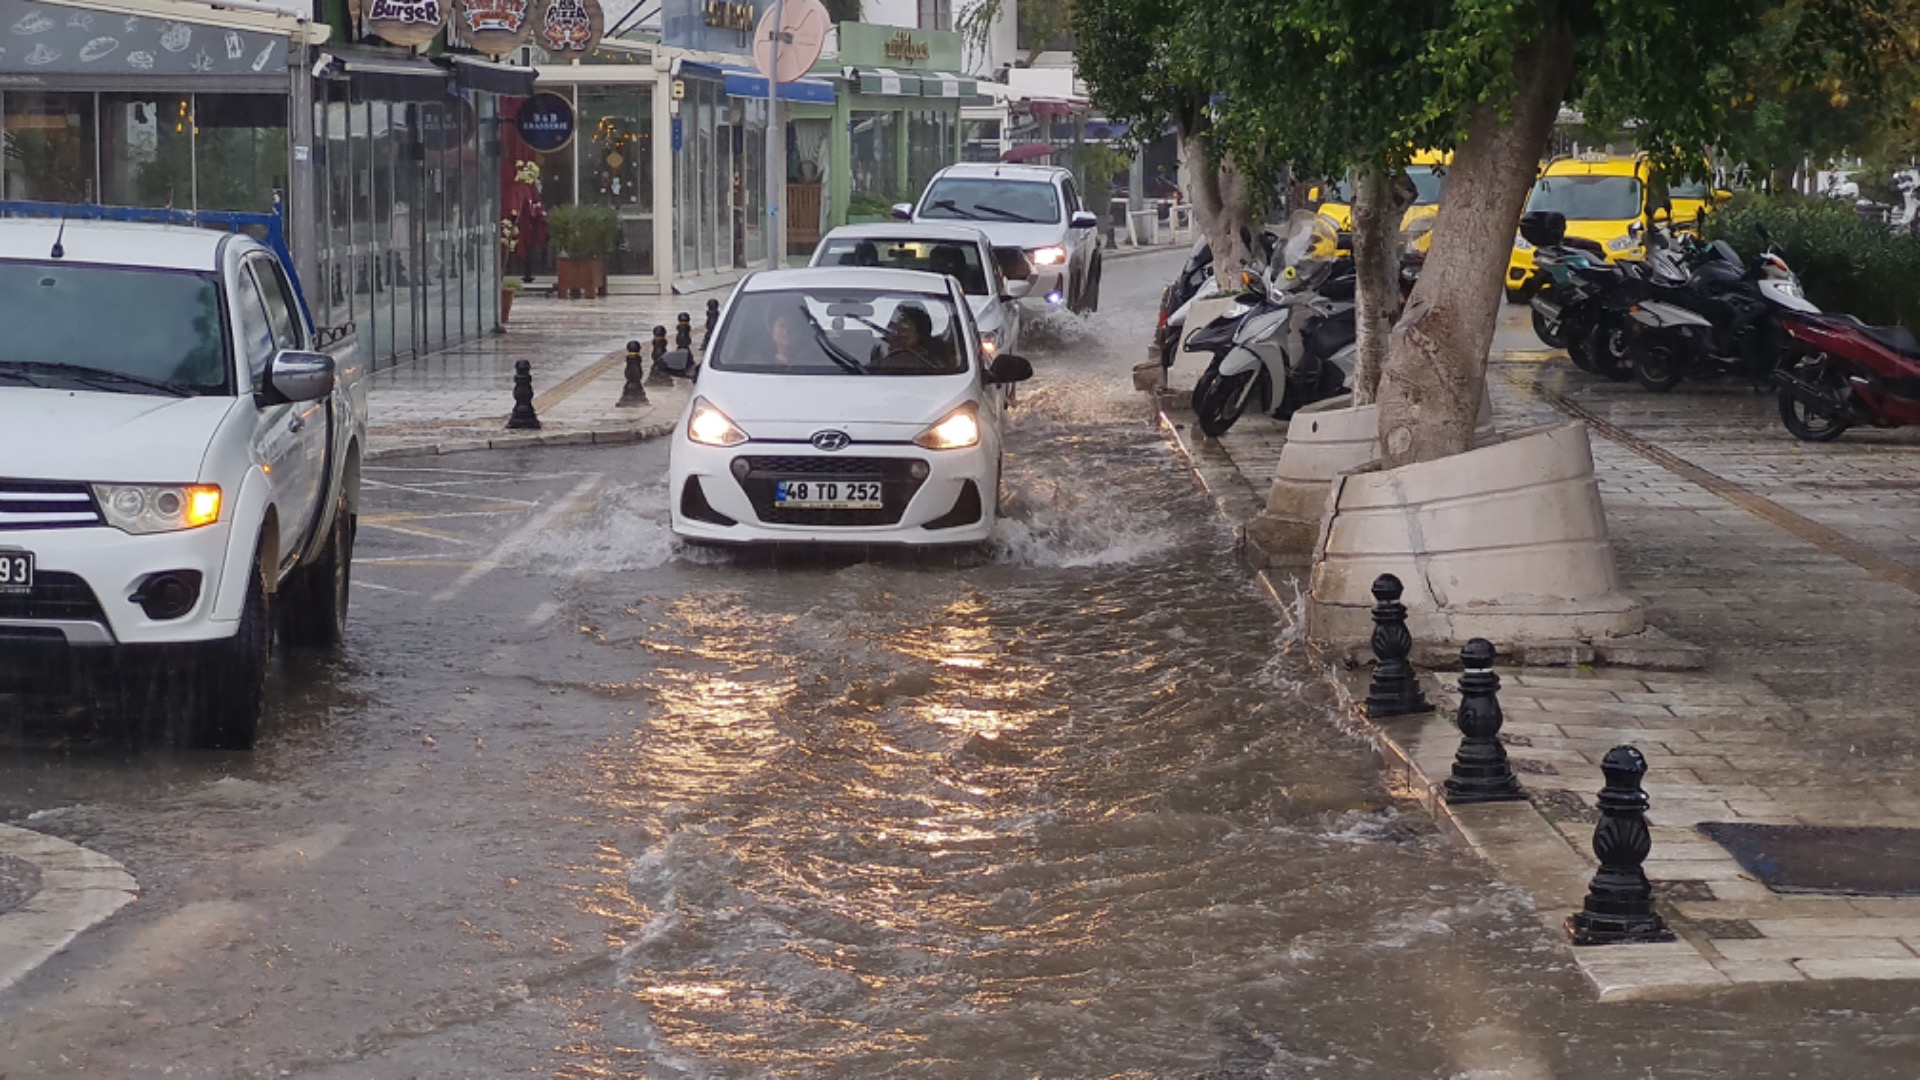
column 55, row 595
column 34, row 504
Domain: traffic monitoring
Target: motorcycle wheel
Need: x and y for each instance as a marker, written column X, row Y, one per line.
column 1658, row 368
column 1544, row 330
column 1578, row 347
column 1607, row 353
column 1219, row 401
column 1809, row 423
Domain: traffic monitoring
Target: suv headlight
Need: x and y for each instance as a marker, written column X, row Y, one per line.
column 709, row 426
column 957, row 430
column 1520, row 244
column 1052, row 255
column 158, row 508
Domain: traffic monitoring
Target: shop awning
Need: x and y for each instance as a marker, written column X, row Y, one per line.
column 473, row 73
column 741, row 82
column 884, row 81
column 942, row 85
column 384, row 78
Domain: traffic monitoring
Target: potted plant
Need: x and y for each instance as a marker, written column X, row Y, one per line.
column 509, row 241
column 583, row 237
column 508, row 290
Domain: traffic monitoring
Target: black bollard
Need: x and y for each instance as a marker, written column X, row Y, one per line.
column 635, row 391
column 1619, row 906
column 523, row 417
column 713, row 321
column 1395, row 690
column 1480, row 769
column 683, row 332
column 659, row 375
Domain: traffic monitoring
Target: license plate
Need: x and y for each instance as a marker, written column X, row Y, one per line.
column 16, row 571
column 828, row 494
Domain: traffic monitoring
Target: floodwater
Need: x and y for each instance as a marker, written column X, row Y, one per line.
column 1080, row 805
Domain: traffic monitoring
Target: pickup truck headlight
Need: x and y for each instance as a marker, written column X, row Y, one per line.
column 158, row 508
column 1048, row 256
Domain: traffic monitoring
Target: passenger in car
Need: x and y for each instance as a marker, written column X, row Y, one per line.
column 788, row 334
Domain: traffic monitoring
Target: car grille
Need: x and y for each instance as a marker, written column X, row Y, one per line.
column 55, row 595
column 32, row 504
column 897, row 488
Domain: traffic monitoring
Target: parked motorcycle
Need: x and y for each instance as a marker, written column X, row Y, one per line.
column 1194, row 282
column 1840, row 372
column 1293, row 330
column 1582, row 297
column 1725, row 320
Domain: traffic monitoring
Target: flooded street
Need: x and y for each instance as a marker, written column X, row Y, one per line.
column 582, row 803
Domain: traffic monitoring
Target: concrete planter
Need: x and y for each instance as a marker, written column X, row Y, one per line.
column 1507, row 541
column 1324, row 440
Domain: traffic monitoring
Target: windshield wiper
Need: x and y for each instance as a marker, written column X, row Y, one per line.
column 838, row 355
column 949, row 204
column 93, row 376
column 1010, row 215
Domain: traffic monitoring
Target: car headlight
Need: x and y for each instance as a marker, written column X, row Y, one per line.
column 1520, row 244
column 989, row 342
column 158, row 508
column 1052, row 255
column 1623, row 243
column 957, row 430
column 709, row 426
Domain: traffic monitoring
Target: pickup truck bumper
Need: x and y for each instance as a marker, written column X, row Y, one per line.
column 85, row 581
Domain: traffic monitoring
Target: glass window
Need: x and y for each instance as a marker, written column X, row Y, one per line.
column 240, row 148
column 1073, row 196
column 48, row 141
column 841, row 332
column 959, row 198
column 952, row 258
column 1429, row 182
column 147, row 159
column 279, row 301
column 1587, row 198
column 875, row 164
column 52, row 314
column 705, row 124
column 256, row 332
column 616, row 166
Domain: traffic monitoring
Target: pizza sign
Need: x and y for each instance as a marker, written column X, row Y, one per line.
column 495, row 27
column 411, row 23
column 571, row 29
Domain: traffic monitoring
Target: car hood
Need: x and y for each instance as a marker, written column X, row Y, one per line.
column 869, row 407
column 1013, row 233
column 82, row 435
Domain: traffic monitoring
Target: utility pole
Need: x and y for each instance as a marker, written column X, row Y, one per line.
column 776, row 141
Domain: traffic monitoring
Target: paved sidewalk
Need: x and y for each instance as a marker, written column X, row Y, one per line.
column 1797, row 569
column 459, row 399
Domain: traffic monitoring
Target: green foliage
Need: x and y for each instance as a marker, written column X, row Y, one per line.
column 1100, row 164
column 1845, row 264
column 511, row 284
column 873, row 204
column 583, row 232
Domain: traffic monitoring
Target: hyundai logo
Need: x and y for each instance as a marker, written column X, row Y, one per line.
column 831, row 440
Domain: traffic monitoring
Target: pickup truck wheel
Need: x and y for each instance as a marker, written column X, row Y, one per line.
column 1091, row 302
column 314, row 612
column 230, row 685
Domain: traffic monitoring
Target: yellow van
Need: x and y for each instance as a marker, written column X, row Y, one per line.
column 1428, row 172
column 1694, row 199
column 1602, row 195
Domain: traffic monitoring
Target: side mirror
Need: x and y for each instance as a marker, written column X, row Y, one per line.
column 903, row 211
column 1014, row 264
column 679, row 363
column 1007, row 368
column 1083, row 220
column 1017, row 290
column 1635, row 230
column 297, row 376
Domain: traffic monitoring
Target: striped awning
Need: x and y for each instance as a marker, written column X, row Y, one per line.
column 886, row 81
column 942, row 85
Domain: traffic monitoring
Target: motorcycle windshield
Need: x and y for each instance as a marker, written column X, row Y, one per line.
column 1312, row 244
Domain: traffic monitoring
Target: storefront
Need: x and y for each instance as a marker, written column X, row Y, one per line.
column 897, row 120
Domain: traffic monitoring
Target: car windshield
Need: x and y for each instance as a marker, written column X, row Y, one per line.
column 1429, row 181
column 986, row 198
column 164, row 335
column 954, row 258
column 1689, row 189
column 1587, row 198
column 841, row 332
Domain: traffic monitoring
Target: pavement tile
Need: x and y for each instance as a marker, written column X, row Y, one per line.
column 1886, row 907
column 1759, row 971
column 1786, row 948
column 1860, row 969
column 1839, row 927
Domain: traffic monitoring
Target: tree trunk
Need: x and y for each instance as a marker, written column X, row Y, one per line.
column 1436, row 372
column 1224, row 210
column 1379, row 202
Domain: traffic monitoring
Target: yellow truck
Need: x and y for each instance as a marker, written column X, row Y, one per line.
column 1602, row 196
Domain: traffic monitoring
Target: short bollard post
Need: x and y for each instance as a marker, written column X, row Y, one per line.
column 1395, row 690
column 658, row 375
column 713, row 321
column 635, row 391
column 1619, row 905
column 1481, row 772
column 683, row 332
column 523, row 417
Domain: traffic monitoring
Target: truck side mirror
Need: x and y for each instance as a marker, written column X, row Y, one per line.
column 295, row 375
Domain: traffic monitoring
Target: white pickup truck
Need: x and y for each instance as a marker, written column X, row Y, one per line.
column 179, row 467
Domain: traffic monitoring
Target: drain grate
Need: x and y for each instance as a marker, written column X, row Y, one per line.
column 1850, row 860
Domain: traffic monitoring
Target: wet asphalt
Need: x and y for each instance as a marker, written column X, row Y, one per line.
column 578, row 802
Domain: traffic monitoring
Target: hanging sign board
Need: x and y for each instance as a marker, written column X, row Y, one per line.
column 495, row 27
column 570, row 29
column 546, row 122
column 410, row 23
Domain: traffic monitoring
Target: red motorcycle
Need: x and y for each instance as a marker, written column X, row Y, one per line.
column 1840, row 372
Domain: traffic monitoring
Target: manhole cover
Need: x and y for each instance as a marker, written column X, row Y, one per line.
column 19, row 880
column 1824, row 859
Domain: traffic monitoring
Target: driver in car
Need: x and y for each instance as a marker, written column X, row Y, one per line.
column 909, row 345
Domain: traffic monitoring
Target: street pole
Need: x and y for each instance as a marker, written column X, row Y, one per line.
column 776, row 142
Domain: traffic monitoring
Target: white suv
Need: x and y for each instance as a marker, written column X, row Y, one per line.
column 1034, row 208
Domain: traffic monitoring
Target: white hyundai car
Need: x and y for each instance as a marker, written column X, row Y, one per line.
column 955, row 250
column 842, row 406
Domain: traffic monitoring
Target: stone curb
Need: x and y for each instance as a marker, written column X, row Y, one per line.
column 520, row 440
column 78, row 889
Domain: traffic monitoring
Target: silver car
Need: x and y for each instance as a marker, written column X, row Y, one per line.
column 1034, row 208
column 957, row 251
